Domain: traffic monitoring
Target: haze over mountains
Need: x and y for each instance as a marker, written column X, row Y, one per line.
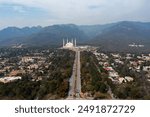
column 115, row 36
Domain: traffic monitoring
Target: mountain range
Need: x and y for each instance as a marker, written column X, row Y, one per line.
column 112, row 37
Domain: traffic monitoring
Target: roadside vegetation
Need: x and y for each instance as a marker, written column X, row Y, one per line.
column 94, row 77
column 54, row 86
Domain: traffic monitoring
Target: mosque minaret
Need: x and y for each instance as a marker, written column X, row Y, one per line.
column 69, row 44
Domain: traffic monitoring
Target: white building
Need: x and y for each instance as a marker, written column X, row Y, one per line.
column 121, row 80
column 146, row 68
column 9, row 79
column 113, row 74
column 128, row 78
column 69, row 44
column 27, row 59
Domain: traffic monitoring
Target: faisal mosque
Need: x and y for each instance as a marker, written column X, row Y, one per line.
column 69, row 44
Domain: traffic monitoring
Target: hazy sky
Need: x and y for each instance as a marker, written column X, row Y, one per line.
column 47, row 12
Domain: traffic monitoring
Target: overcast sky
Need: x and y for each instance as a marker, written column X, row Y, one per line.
column 47, row 12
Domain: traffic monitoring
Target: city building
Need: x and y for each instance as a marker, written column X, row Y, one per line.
column 69, row 44
column 10, row 79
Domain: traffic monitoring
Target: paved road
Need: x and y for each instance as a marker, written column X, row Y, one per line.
column 75, row 80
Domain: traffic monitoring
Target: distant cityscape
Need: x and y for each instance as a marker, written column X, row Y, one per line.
column 73, row 72
column 135, row 45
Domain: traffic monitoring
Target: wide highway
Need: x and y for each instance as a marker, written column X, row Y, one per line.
column 75, row 80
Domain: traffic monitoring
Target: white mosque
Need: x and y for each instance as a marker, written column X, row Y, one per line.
column 69, row 44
